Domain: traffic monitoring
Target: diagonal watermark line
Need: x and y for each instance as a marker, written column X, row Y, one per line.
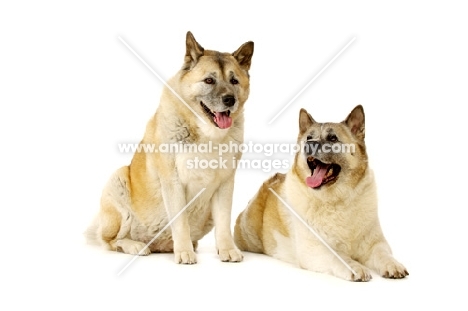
column 311, row 81
column 160, row 232
column 313, row 231
column 161, row 79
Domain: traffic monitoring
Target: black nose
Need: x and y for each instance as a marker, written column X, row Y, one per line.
column 311, row 147
column 229, row 100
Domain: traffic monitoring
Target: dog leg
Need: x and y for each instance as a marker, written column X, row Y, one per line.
column 221, row 206
column 322, row 260
column 115, row 218
column 131, row 247
column 174, row 201
column 382, row 261
column 314, row 256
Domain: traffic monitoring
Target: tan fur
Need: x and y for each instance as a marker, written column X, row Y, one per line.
column 140, row 199
column 343, row 212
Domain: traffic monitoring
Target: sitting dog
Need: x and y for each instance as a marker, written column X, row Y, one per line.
column 203, row 103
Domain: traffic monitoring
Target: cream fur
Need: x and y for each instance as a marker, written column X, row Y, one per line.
column 140, row 199
column 343, row 213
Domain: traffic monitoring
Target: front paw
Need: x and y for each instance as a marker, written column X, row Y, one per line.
column 187, row 257
column 393, row 270
column 362, row 274
column 230, row 255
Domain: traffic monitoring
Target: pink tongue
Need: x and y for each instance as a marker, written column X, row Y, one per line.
column 223, row 120
column 316, row 179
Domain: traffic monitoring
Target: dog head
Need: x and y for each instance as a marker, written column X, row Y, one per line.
column 215, row 84
column 331, row 152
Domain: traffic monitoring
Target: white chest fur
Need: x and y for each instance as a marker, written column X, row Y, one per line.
column 205, row 167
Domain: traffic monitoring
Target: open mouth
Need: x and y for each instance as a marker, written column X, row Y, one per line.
column 321, row 173
column 220, row 119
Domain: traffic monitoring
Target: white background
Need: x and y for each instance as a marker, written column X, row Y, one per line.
column 70, row 91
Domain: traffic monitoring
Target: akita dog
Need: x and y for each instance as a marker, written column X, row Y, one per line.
column 334, row 193
column 203, row 104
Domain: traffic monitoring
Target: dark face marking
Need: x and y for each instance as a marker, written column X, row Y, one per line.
column 220, row 61
column 311, row 135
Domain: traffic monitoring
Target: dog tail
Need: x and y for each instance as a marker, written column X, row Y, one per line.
column 91, row 233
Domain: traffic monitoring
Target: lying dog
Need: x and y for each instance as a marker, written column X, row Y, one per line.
column 335, row 194
column 203, row 103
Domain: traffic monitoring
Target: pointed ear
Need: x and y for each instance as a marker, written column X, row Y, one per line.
column 305, row 121
column 356, row 122
column 193, row 52
column 243, row 55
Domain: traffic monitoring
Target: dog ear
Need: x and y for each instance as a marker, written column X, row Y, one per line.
column 243, row 55
column 356, row 122
column 193, row 52
column 305, row 121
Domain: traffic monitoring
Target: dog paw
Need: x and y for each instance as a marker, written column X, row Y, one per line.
column 362, row 274
column 394, row 270
column 185, row 257
column 132, row 247
column 230, row 255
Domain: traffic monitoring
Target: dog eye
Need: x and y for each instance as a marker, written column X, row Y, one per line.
column 309, row 137
column 209, row 80
column 332, row 138
column 234, row 81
